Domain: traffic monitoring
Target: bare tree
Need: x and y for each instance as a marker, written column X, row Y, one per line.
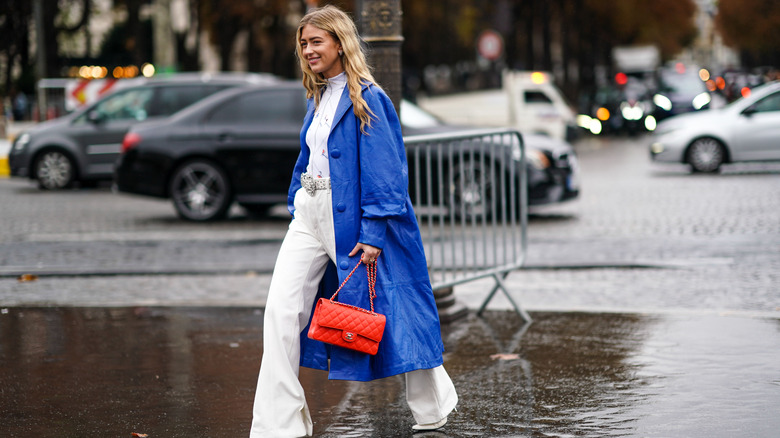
column 751, row 27
column 15, row 16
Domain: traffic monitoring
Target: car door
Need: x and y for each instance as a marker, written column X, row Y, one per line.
column 99, row 131
column 257, row 139
column 538, row 112
column 757, row 135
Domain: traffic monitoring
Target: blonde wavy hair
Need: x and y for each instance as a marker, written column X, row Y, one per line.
column 338, row 24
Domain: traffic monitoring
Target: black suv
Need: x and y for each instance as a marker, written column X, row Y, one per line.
column 84, row 145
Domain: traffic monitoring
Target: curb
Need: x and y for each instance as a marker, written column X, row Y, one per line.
column 5, row 149
column 238, row 269
column 114, row 272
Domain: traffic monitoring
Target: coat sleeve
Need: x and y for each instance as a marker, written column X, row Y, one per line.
column 383, row 169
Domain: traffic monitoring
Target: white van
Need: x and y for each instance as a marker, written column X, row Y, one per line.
column 537, row 106
column 528, row 102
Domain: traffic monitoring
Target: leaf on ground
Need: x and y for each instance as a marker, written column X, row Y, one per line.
column 140, row 435
column 27, row 277
column 505, row 356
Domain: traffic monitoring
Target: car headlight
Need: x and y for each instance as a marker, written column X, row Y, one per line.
column 650, row 123
column 583, row 121
column 21, row 141
column 701, row 100
column 663, row 102
column 537, row 159
column 595, row 126
column 631, row 112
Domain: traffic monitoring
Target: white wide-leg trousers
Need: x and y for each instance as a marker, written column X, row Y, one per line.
column 280, row 409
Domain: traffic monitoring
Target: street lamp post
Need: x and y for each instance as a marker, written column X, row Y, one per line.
column 380, row 27
column 40, row 53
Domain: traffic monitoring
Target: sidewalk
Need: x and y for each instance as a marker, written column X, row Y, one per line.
column 191, row 372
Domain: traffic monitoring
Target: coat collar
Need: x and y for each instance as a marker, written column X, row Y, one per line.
column 345, row 103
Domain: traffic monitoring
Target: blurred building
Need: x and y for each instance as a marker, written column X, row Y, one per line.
column 709, row 50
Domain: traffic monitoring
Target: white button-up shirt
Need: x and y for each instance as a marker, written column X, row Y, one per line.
column 319, row 130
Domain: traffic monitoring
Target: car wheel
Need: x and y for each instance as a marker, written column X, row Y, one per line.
column 706, row 155
column 200, row 191
column 54, row 170
column 471, row 190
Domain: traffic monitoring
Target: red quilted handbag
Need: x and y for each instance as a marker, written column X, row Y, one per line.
column 349, row 326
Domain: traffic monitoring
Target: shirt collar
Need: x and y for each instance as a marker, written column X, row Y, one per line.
column 338, row 81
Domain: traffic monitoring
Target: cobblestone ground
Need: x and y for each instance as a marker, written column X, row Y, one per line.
column 695, row 241
column 642, row 237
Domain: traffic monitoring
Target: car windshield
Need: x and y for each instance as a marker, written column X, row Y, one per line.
column 412, row 116
column 682, row 83
column 751, row 95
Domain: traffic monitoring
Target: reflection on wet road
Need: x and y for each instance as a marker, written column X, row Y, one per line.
column 190, row 372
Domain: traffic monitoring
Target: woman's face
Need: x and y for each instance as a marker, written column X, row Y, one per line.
column 321, row 51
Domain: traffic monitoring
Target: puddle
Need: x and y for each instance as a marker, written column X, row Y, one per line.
column 191, row 372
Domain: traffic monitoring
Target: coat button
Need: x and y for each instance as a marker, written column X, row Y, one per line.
column 335, row 153
column 340, row 207
column 344, row 265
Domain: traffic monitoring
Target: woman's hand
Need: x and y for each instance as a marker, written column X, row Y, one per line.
column 370, row 253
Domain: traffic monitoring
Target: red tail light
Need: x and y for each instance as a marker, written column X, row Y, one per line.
column 131, row 140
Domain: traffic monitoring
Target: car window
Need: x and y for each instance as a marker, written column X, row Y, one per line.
column 769, row 103
column 267, row 107
column 132, row 104
column 171, row 99
column 536, row 97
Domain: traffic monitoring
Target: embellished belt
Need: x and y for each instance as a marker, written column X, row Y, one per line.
column 312, row 184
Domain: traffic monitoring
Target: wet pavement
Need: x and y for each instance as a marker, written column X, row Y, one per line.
column 190, row 372
column 655, row 301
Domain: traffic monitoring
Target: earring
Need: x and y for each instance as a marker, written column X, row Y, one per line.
column 341, row 52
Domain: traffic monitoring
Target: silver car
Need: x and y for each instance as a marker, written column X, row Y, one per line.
column 748, row 129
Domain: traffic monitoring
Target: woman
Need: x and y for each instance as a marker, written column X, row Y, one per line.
column 349, row 203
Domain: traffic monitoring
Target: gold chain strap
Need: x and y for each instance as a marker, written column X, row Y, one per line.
column 371, row 272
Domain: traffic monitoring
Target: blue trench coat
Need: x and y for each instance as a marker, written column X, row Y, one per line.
column 371, row 204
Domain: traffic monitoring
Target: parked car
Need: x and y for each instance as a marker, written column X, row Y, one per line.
column 240, row 145
column 84, row 145
column 747, row 129
column 552, row 167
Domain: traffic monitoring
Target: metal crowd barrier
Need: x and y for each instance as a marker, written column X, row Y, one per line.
column 51, row 98
column 469, row 192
